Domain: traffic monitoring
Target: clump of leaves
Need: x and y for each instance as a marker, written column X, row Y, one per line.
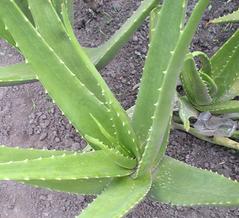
column 128, row 161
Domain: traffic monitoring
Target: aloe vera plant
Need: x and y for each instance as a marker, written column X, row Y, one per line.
column 128, row 160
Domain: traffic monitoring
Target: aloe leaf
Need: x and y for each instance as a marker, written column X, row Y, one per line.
column 221, row 107
column 198, row 93
column 225, row 65
column 158, row 83
column 65, row 167
column 233, row 17
column 119, row 198
column 186, row 111
column 164, row 39
column 8, row 154
column 4, row 34
column 69, row 5
column 83, row 186
column 104, row 53
column 212, row 86
column 154, row 17
column 79, row 186
column 205, row 61
column 180, row 184
column 16, row 74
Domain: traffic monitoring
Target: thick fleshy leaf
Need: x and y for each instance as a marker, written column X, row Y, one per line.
column 198, row 93
column 221, row 107
column 9, row 154
column 153, row 110
column 75, row 166
column 16, row 74
column 233, row 17
column 225, row 65
column 120, row 197
column 79, row 186
column 180, row 184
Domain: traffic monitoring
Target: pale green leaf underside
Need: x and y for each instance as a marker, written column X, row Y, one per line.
column 233, row 17
column 180, row 184
column 65, row 167
column 120, row 197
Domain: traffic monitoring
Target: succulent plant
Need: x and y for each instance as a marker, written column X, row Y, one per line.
column 128, row 160
column 215, row 85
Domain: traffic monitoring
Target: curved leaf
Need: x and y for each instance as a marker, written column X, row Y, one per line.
column 75, row 166
column 194, row 87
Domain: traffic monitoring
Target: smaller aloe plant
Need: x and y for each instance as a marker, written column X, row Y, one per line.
column 212, row 89
column 128, row 160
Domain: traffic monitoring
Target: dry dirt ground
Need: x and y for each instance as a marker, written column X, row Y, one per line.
column 28, row 118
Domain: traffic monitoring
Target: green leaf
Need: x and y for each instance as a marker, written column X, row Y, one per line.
column 198, row 93
column 186, row 111
column 225, row 65
column 164, row 39
column 4, row 33
column 8, row 154
column 205, row 61
column 69, row 5
column 79, row 186
column 82, row 186
column 180, row 184
column 233, row 17
column 16, row 74
column 153, row 109
column 221, row 107
column 75, row 166
column 120, row 197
